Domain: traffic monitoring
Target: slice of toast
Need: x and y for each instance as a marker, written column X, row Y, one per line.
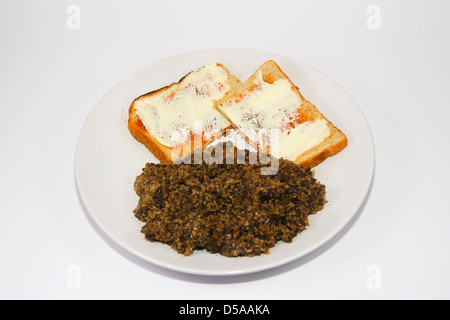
column 178, row 119
column 269, row 105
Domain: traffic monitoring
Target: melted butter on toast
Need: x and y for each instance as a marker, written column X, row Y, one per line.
column 186, row 108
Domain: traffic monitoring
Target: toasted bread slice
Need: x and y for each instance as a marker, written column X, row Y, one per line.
column 177, row 119
column 269, row 103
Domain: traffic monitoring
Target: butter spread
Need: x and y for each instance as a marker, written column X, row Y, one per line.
column 269, row 111
column 303, row 137
column 186, row 108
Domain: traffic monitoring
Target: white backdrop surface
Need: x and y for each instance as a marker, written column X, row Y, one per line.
column 59, row 58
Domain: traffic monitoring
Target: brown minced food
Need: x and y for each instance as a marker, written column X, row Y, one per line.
column 230, row 209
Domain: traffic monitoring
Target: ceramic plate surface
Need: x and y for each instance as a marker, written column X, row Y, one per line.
column 108, row 159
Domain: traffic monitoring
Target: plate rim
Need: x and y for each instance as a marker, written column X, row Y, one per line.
column 360, row 205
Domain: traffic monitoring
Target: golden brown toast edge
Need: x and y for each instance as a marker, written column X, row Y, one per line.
column 140, row 133
column 334, row 143
column 271, row 72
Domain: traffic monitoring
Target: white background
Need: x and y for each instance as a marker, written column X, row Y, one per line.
column 52, row 76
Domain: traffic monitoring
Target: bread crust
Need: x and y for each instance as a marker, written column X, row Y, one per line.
column 271, row 72
column 140, row 133
column 331, row 146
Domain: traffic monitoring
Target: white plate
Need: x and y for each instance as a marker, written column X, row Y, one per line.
column 108, row 159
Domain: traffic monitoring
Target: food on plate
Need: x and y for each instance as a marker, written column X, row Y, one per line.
column 229, row 209
column 168, row 120
column 268, row 100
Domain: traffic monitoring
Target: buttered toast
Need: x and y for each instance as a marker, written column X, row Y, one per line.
column 269, row 103
column 175, row 120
